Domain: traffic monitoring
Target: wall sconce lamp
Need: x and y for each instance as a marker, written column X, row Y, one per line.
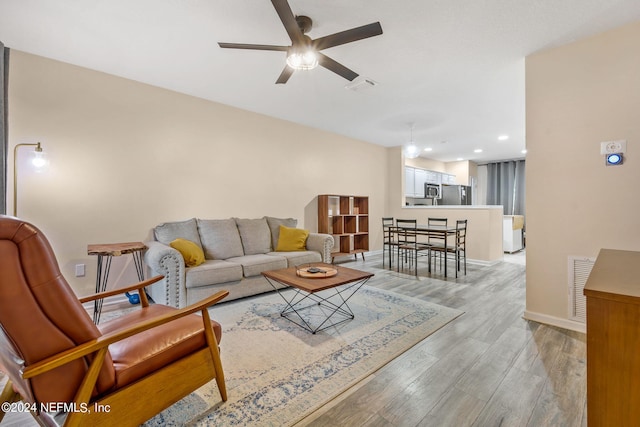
column 39, row 161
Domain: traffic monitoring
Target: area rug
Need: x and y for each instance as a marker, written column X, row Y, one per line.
column 277, row 373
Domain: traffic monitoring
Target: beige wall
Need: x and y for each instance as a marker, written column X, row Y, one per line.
column 126, row 156
column 428, row 164
column 577, row 96
column 463, row 170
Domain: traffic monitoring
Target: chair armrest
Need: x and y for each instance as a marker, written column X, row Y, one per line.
column 119, row 291
column 105, row 340
column 322, row 243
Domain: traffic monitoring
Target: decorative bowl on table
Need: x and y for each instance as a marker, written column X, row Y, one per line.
column 314, row 271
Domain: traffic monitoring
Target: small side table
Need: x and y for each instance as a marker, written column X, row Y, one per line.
column 105, row 253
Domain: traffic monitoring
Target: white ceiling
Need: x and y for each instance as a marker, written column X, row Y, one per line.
column 452, row 68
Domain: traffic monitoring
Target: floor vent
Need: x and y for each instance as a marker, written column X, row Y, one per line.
column 579, row 269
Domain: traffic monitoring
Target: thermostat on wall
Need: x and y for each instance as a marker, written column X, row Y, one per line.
column 614, row 159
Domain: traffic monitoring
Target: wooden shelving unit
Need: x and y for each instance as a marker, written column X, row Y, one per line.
column 346, row 218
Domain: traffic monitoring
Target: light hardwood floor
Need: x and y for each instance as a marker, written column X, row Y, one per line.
column 489, row 367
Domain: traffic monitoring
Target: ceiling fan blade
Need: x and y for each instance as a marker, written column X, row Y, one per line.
column 336, row 67
column 284, row 76
column 288, row 20
column 252, row 46
column 348, row 36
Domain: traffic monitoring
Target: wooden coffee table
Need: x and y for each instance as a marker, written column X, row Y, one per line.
column 340, row 284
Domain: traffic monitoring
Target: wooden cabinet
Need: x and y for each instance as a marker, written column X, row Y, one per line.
column 613, row 339
column 346, row 218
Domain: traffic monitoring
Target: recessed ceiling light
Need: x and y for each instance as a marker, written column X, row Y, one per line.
column 478, row 150
column 524, row 151
column 428, row 149
column 503, row 137
column 459, row 159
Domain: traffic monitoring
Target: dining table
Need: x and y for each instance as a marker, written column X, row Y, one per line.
column 434, row 231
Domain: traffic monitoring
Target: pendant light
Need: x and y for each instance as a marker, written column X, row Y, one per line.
column 411, row 149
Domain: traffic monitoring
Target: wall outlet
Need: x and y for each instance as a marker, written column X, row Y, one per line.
column 80, row 270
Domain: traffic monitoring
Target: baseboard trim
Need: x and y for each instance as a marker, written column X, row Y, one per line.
column 555, row 321
column 107, row 303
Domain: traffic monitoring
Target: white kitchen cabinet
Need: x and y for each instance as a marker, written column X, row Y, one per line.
column 433, row 177
column 409, row 181
column 416, row 178
column 448, row 179
column 420, row 177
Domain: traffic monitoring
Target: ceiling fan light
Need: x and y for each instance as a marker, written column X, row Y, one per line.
column 302, row 60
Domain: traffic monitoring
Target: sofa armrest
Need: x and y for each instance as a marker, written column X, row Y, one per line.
column 168, row 262
column 322, row 243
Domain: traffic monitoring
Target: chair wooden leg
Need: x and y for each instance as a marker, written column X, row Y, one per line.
column 215, row 354
column 8, row 395
column 220, row 375
column 465, row 262
column 457, row 263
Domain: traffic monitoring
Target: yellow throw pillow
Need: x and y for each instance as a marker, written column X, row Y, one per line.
column 292, row 239
column 192, row 253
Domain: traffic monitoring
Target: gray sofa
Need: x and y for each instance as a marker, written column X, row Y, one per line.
column 236, row 252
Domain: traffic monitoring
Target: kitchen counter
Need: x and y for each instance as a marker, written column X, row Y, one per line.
column 484, row 226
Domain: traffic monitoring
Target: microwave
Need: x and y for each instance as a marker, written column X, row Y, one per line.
column 432, row 191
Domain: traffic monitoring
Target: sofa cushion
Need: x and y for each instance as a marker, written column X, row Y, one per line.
column 292, row 239
column 299, row 257
column 170, row 231
column 274, row 226
column 253, row 265
column 212, row 272
column 255, row 235
column 220, row 238
column 191, row 252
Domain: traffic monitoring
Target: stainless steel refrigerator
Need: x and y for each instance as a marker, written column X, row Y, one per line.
column 455, row 195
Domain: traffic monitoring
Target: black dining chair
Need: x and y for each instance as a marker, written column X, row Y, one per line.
column 408, row 246
column 461, row 243
column 436, row 240
column 458, row 247
column 388, row 240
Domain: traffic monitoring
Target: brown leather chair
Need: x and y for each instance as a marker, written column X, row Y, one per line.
column 135, row 366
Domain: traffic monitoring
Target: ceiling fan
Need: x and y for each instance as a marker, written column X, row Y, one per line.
column 304, row 52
